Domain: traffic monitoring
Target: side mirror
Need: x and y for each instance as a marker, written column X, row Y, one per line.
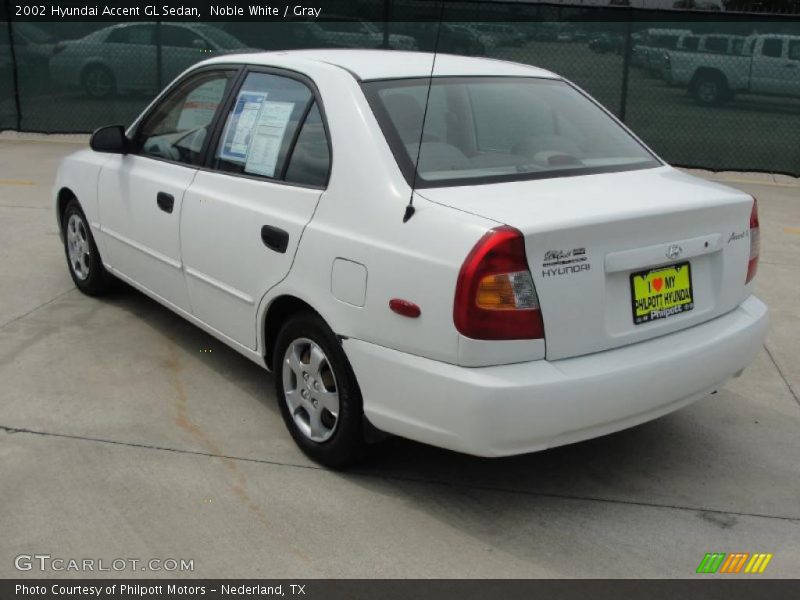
column 110, row 139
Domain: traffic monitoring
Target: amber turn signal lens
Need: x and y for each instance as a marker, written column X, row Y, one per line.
column 495, row 292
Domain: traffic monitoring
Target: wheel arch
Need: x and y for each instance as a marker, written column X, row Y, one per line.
column 277, row 312
column 63, row 198
column 702, row 72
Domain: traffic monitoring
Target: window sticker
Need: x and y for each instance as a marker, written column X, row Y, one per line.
column 236, row 139
column 201, row 104
column 265, row 146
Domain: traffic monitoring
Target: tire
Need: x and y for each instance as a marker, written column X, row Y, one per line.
column 314, row 380
column 83, row 259
column 710, row 90
column 99, row 82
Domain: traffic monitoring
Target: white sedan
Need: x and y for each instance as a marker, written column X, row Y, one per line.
column 515, row 273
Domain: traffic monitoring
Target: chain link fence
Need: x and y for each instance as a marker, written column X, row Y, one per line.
column 713, row 92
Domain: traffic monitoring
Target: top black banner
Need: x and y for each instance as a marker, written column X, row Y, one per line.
column 392, row 10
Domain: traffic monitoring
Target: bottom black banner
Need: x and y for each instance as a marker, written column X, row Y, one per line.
column 357, row 589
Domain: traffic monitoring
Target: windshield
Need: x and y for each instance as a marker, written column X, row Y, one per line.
column 487, row 129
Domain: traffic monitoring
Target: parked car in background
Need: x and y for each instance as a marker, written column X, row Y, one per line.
column 607, row 42
column 553, row 281
column 503, row 33
column 122, row 58
column 769, row 65
column 345, row 32
column 456, row 38
column 707, row 44
column 653, row 41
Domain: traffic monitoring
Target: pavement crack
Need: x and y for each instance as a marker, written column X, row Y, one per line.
column 417, row 480
column 783, row 376
column 35, row 308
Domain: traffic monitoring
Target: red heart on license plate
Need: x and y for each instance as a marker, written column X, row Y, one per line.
column 657, row 283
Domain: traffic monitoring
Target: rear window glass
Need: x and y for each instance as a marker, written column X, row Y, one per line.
column 486, row 129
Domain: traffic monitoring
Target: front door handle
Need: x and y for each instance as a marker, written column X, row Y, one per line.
column 275, row 238
column 166, row 202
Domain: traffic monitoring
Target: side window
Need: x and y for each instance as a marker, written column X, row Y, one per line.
column 262, row 123
column 310, row 160
column 772, row 47
column 794, row 50
column 180, row 124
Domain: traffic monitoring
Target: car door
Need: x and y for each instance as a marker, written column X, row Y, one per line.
column 243, row 217
column 140, row 193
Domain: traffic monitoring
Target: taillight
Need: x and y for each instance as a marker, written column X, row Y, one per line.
column 495, row 296
column 755, row 243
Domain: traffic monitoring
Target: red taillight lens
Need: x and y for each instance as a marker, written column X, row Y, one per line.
column 495, row 296
column 755, row 243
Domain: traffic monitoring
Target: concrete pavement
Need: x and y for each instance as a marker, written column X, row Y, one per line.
column 125, row 432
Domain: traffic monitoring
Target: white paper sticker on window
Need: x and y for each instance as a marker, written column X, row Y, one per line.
column 265, row 146
column 238, row 131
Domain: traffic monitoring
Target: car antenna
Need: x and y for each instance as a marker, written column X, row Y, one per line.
column 410, row 210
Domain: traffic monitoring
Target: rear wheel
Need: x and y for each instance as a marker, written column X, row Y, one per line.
column 99, row 82
column 317, row 391
column 85, row 265
column 710, row 90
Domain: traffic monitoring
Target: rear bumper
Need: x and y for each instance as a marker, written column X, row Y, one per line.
column 526, row 407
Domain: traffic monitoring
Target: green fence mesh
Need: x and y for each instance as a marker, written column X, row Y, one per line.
column 717, row 94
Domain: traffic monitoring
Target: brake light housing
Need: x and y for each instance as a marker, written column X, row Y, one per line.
column 755, row 243
column 495, row 295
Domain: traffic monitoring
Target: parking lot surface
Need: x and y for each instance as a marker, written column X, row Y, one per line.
column 126, row 432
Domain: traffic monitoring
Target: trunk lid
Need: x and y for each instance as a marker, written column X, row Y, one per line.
column 586, row 235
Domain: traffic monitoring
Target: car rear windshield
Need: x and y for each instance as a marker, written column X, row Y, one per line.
column 491, row 129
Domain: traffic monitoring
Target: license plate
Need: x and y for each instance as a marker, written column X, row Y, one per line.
column 661, row 293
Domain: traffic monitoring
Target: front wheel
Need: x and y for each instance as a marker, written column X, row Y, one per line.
column 85, row 265
column 317, row 391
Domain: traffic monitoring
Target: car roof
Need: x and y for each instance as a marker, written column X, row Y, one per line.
column 391, row 64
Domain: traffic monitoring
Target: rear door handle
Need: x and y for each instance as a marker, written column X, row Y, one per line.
column 166, row 202
column 275, row 238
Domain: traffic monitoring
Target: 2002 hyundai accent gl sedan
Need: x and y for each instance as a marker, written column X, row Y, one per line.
column 553, row 281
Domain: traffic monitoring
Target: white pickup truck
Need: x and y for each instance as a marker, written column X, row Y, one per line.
column 768, row 64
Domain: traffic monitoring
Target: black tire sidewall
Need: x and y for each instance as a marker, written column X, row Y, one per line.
column 110, row 74
column 346, row 444
column 96, row 283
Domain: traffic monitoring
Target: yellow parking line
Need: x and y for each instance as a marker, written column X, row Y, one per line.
column 795, row 230
column 17, row 182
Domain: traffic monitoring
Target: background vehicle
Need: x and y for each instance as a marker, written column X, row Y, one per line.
column 348, row 33
column 503, row 33
column 654, row 40
column 768, row 65
column 115, row 59
column 607, row 42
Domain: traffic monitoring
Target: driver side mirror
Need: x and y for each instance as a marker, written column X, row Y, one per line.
column 110, row 139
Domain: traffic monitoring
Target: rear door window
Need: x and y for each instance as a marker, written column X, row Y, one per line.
column 261, row 125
